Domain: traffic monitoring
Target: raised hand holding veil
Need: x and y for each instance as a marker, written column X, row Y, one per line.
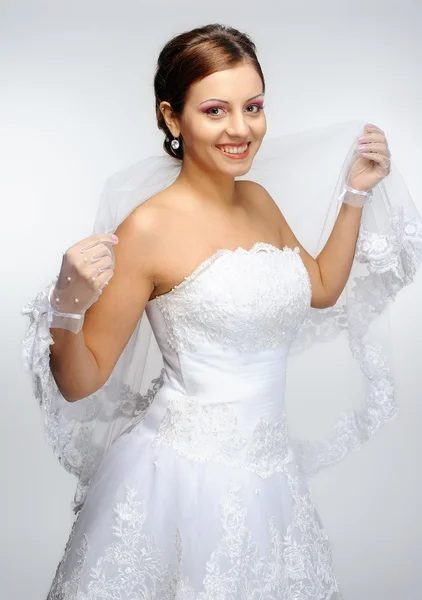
column 348, row 391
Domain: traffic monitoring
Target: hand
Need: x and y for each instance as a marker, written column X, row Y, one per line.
column 86, row 268
column 372, row 162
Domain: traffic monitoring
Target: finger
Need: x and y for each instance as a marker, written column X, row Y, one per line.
column 91, row 256
column 372, row 137
column 101, row 238
column 380, row 159
column 104, row 265
column 105, row 251
column 102, row 280
column 376, row 156
column 380, row 148
column 88, row 261
column 101, row 277
column 371, row 128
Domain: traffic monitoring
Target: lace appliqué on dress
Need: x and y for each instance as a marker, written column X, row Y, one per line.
column 264, row 299
column 298, row 565
column 211, row 433
column 132, row 565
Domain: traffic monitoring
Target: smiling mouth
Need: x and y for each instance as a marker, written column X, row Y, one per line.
column 235, row 151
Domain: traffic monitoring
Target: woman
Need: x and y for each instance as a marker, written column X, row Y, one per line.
column 201, row 494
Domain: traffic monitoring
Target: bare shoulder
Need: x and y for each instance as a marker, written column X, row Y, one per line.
column 258, row 198
column 147, row 222
column 151, row 231
column 148, row 215
column 255, row 192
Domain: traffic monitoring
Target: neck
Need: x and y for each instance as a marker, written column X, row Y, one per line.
column 211, row 188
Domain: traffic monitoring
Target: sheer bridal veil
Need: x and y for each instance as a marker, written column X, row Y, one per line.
column 348, row 391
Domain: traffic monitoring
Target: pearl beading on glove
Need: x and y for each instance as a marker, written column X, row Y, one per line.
column 63, row 320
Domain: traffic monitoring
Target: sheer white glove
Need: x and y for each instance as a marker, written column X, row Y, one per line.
column 86, row 268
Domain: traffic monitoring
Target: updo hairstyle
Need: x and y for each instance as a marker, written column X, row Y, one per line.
column 191, row 56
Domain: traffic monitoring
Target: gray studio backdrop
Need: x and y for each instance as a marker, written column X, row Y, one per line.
column 76, row 105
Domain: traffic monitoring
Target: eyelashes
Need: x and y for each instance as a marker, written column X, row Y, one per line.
column 258, row 108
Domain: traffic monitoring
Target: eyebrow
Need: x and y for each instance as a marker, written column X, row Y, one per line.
column 225, row 101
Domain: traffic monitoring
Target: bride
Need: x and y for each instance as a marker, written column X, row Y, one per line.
column 193, row 486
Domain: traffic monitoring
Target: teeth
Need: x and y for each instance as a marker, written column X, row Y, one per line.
column 232, row 150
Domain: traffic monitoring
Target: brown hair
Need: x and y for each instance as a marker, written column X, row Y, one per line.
column 191, row 56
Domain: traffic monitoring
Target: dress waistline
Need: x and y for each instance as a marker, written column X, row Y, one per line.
column 219, row 432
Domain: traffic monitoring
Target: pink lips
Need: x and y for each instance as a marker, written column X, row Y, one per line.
column 235, row 156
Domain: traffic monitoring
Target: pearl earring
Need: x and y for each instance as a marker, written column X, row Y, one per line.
column 175, row 144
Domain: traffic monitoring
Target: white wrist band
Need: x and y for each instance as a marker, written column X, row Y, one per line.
column 354, row 197
column 60, row 320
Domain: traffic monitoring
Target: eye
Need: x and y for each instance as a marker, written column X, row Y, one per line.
column 256, row 108
column 209, row 111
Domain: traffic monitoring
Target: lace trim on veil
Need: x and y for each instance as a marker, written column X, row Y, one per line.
column 386, row 260
column 392, row 258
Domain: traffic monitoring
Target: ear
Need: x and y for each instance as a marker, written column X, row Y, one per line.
column 170, row 118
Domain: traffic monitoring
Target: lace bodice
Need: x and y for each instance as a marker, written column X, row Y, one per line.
column 241, row 299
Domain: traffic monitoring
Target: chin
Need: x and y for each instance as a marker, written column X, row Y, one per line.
column 241, row 170
column 236, row 170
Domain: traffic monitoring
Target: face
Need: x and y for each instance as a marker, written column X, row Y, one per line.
column 223, row 122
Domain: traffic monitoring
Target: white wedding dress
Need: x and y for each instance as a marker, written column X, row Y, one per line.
column 203, row 498
column 191, row 482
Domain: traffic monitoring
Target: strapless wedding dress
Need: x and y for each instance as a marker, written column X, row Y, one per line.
column 203, row 499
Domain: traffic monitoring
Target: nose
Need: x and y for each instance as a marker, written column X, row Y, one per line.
column 237, row 125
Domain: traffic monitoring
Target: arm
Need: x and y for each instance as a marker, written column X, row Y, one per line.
column 330, row 270
column 72, row 364
column 82, row 363
column 336, row 258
